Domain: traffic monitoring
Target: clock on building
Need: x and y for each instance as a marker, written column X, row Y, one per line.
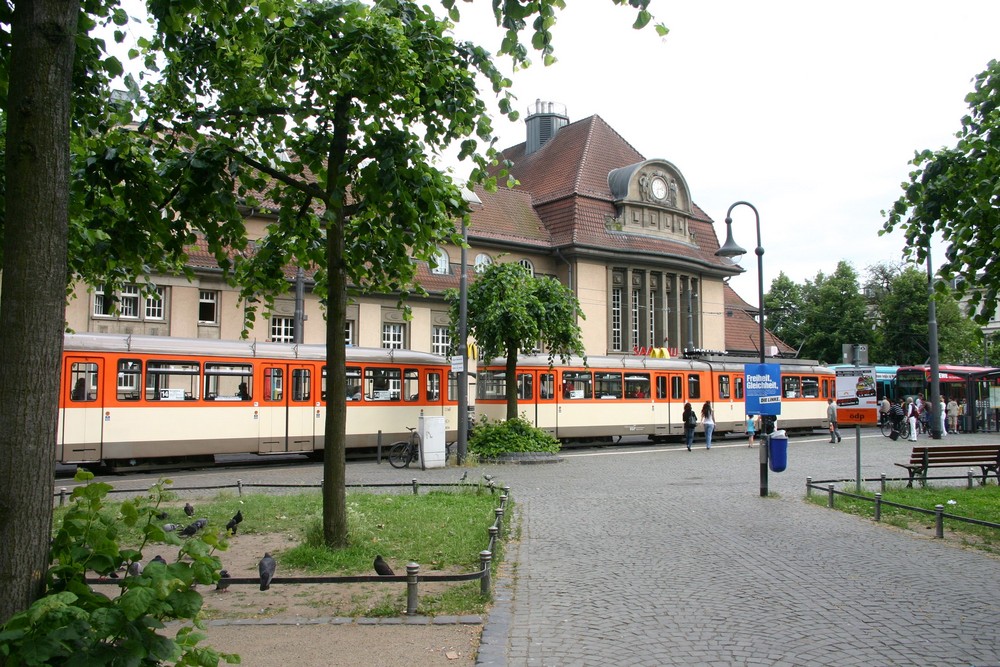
column 658, row 188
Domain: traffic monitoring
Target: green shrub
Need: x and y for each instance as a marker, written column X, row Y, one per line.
column 492, row 439
column 76, row 624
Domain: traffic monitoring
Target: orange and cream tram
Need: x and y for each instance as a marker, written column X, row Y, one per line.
column 633, row 395
column 137, row 401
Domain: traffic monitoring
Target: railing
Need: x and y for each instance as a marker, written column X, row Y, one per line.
column 412, row 578
column 938, row 512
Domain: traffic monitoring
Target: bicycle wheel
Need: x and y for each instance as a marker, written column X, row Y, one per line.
column 400, row 454
column 886, row 427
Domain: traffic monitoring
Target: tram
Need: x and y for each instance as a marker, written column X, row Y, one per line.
column 610, row 396
column 133, row 402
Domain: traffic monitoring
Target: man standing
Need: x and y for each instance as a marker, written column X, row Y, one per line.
column 831, row 414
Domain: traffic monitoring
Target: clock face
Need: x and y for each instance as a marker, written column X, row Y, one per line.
column 659, row 188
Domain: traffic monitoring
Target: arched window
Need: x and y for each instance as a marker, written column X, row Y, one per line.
column 440, row 264
column 482, row 261
column 528, row 266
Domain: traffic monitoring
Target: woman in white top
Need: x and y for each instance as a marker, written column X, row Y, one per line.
column 708, row 422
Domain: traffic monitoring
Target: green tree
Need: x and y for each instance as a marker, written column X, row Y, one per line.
column 954, row 191
column 833, row 314
column 784, row 310
column 509, row 311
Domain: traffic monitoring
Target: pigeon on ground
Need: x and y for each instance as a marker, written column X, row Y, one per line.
column 162, row 515
column 200, row 523
column 266, row 568
column 465, row 476
column 223, row 585
column 235, row 521
column 169, row 527
column 159, row 559
column 188, row 509
column 488, row 478
column 192, row 528
column 135, row 568
column 383, row 568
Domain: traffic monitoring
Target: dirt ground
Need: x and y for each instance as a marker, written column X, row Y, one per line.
column 277, row 627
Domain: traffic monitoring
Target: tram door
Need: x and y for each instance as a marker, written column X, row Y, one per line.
column 81, row 428
column 287, row 415
column 669, row 404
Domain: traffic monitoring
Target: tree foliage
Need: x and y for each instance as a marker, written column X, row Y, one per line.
column 833, row 314
column 955, row 192
column 510, row 310
column 784, row 310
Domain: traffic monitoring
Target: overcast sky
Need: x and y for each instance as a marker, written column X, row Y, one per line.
column 810, row 111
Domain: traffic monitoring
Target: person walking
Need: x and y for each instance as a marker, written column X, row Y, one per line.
column 708, row 422
column 912, row 416
column 751, row 429
column 690, row 422
column 831, row 414
column 944, row 416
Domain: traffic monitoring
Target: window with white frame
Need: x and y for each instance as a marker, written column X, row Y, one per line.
column 440, row 263
column 154, row 304
column 127, row 306
column 635, row 316
column 208, row 307
column 528, row 266
column 440, row 341
column 393, row 335
column 616, row 319
column 482, row 261
column 349, row 333
column 282, row 329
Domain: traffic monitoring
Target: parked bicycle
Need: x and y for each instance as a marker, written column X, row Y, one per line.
column 904, row 428
column 405, row 452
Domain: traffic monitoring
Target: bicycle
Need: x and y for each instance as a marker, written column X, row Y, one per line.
column 405, row 452
column 904, row 428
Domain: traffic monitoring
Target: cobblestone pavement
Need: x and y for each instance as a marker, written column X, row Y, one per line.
column 670, row 557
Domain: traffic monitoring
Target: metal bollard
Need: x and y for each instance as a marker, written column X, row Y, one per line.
column 412, row 576
column 62, row 496
column 378, row 447
column 882, row 482
column 484, row 565
column 499, row 521
column 415, row 487
column 494, row 534
column 809, row 487
column 970, row 477
column 878, row 507
column 829, row 500
column 939, row 521
column 239, row 487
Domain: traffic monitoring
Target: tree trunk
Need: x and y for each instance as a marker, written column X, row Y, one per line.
column 33, row 299
column 511, row 381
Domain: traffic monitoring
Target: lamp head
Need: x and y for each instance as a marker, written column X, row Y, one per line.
column 729, row 248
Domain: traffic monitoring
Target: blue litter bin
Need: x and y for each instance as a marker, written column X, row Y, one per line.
column 777, row 452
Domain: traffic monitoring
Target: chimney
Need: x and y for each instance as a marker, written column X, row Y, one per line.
column 543, row 122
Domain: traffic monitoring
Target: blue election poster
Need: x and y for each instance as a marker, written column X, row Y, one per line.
column 763, row 389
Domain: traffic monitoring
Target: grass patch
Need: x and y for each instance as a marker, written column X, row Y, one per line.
column 980, row 502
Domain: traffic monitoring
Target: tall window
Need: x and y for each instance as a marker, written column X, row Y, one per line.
column 528, row 266
column 393, row 336
column 154, row 305
column 128, row 304
column 282, row 329
column 635, row 316
column 440, row 264
column 652, row 318
column 349, row 333
column 616, row 319
column 440, row 341
column 208, row 307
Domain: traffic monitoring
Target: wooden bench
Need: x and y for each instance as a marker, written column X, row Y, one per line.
column 987, row 457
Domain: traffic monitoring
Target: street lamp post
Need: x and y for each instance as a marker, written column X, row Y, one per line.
column 731, row 249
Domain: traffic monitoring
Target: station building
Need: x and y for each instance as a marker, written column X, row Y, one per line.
column 621, row 230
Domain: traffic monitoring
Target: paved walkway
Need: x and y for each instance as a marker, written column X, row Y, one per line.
column 669, row 557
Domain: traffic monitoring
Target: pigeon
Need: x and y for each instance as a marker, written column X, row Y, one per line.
column 192, row 528
column 465, row 476
column 158, row 559
column 235, row 521
column 188, row 509
column 200, row 523
column 135, row 568
column 169, row 527
column 383, row 568
column 488, row 478
column 266, row 568
column 223, row 585
column 162, row 515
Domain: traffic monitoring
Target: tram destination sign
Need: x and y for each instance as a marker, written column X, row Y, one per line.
column 763, row 389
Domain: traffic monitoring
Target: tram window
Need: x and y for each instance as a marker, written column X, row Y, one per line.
column 547, row 385
column 173, row 381
column 226, row 382
column 491, row 385
column 676, row 388
column 525, row 387
column 723, row 386
column 453, row 386
column 382, row 384
column 791, row 387
column 738, row 387
column 353, row 383
column 273, row 384
column 576, row 385
column 607, row 385
column 637, row 385
column 434, row 386
column 694, row 386
column 129, row 379
column 810, row 387
column 301, row 384
column 83, row 380
column 411, row 384
column 661, row 387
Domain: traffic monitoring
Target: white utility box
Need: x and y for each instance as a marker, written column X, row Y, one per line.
column 432, row 442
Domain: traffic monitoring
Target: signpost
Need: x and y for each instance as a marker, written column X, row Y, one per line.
column 763, row 397
column 856, row 400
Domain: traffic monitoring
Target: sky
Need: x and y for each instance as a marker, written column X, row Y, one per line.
column 809, row 111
